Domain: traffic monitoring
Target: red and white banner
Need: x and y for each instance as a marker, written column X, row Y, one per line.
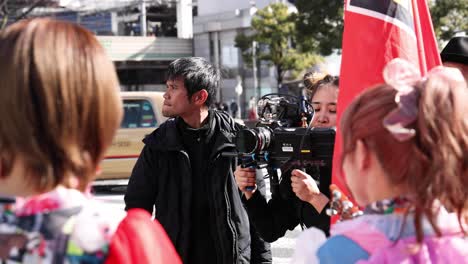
column 376, row 32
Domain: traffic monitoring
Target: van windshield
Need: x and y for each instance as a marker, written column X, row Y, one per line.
column 138, row 113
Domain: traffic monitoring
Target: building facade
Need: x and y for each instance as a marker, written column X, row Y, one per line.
column 215, row 28
column 141, row 37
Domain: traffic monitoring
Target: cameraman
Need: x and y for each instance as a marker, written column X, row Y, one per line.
column 300, row 200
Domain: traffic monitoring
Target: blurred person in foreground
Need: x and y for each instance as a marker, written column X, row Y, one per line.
column 182, row 174
column 405, row 145
column 455, row 54
column 60, row 108
column 300, row 200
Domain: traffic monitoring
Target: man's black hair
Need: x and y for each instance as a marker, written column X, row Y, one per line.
column 198, row 74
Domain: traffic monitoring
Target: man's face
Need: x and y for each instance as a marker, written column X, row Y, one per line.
column 176, row 100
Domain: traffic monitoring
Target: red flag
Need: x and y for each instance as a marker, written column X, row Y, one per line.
column 376, row 32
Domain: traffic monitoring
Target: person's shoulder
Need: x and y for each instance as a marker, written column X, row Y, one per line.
column 97, row 214
column 91, row 229
column 340, row 249
column 225, row 122
column 168, row 125
column 161, row 134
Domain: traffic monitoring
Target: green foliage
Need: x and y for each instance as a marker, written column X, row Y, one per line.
column 449, row 17
column 274, row 29
column 320, row 22
column 319, row 25
column 244, row 43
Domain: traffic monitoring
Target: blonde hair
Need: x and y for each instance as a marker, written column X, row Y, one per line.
column 59, row 101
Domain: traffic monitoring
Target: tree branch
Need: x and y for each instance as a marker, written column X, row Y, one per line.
column 30, row 9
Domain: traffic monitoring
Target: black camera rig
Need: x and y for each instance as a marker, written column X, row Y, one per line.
column 282, row 139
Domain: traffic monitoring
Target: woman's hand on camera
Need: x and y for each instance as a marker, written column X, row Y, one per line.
column 306, row 189
column 303, row 185
column 246, row 180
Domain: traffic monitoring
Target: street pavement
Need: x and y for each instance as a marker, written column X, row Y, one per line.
column 282, row 249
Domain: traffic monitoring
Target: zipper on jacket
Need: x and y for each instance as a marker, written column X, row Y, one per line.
column 219, row 257
column 220, row 254
column 228, row 214
column 186, row 253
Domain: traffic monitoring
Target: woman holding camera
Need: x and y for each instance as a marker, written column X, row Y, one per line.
column 300, row 199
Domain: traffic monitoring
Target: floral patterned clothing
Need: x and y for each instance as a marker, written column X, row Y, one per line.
column 386, row 234
column 61, row 226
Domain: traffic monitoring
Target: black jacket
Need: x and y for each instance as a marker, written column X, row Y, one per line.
column 162, row 177
column 285, row 210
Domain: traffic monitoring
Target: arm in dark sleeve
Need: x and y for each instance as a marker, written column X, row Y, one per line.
column 142, row 190
column 312, row 218
column 271, row 219
column 260, row 250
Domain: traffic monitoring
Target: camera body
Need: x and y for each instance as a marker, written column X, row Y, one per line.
column 283, row 146
column 282, row 140
column 282, row 135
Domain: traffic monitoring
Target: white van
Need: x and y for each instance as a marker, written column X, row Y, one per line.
column 142, row 115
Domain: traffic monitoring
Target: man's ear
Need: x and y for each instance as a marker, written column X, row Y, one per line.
column 200, row 97
column 362, row 155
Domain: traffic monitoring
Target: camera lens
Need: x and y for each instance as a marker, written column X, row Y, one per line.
column 254, row 140
column 263, row 137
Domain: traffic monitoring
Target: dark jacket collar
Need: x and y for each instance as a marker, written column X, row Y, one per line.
column 205, row 132
column 167, row 137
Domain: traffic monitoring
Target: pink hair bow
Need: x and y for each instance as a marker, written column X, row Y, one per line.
column 403, row 76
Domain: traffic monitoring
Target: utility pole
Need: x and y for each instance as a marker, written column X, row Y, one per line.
column 216, row 61
column 254, row 69
column 143, row 17
column 239, row 90
column 184, row 19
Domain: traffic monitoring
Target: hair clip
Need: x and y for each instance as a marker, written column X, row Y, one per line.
column 402, row 76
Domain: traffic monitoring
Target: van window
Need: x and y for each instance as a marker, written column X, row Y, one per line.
column 138, row 113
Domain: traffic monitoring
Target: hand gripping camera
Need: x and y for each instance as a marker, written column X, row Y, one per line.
column 282, row 140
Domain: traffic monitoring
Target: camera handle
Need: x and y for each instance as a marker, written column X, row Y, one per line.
column 274, row 180
column 249, row 162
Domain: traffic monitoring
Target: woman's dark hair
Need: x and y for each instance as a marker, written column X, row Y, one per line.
column 313, row 81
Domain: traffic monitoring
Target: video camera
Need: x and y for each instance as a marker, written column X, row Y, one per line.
column 282, row 139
